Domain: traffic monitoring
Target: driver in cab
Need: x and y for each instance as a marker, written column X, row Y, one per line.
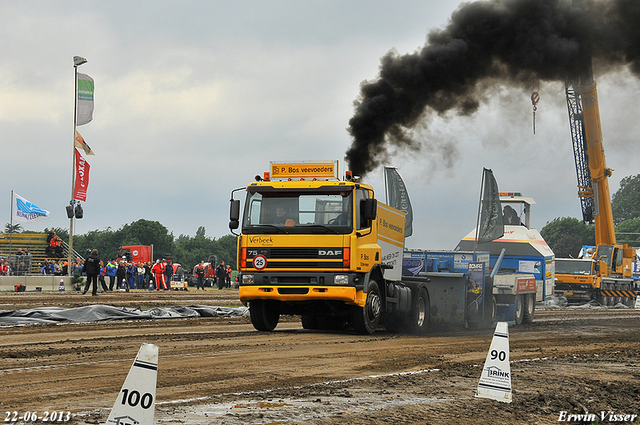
column 283, row 216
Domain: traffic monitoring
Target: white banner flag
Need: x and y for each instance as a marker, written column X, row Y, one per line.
column 85, row 99
column 24, row 211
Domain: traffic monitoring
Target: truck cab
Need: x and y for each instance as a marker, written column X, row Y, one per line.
column 317, row 246
column 576, row 278
column 605, row 277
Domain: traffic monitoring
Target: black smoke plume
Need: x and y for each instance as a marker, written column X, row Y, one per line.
column 511, row 42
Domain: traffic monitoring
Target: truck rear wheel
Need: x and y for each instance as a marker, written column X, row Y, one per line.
column 529, row 308
column 264, row 314
column 420, row 310
column 518, row 305
column 365, row 319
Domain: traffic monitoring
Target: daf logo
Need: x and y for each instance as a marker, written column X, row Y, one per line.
column 329, row 252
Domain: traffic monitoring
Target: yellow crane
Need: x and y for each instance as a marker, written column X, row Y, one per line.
column 606, row 278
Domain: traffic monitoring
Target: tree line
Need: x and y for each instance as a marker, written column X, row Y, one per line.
column 564, row 235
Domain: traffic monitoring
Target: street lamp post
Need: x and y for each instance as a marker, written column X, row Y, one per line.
column 77, row 61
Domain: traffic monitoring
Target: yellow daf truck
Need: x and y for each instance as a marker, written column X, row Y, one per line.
column 324, row 248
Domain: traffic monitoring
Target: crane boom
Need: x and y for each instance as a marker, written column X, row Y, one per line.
column 576, row 123
column 608, row 276
column 600, row 173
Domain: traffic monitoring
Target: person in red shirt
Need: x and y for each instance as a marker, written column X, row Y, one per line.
column 158, row 275
column 4, row 268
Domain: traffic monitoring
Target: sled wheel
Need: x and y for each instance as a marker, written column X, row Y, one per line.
column 529, row 308
column 519, row 309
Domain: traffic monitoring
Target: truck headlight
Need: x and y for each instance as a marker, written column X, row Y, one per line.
column 247, row 279
column 341, row 279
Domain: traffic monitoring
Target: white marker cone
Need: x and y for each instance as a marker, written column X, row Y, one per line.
column 495, row 382
column 136, row 402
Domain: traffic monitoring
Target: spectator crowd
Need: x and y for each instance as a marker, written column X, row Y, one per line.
column 114, row 274
column 17, row 264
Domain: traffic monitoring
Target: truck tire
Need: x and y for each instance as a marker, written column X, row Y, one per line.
column 490, row 313
column 518, row 305
column 264, row 314
column 529, row 308
column 365, row 319
column 418, row 320
column 309, row 322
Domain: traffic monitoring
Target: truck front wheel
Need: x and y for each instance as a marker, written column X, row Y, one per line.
column 264, row 314
column 365, row 319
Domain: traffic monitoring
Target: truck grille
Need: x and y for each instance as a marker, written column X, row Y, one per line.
column 300, row 258
column 304, row 264
column 293, row 252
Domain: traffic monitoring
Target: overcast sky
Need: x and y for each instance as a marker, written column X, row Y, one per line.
column 194, row 98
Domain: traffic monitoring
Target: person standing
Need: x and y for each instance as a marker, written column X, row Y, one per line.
column 131, row 272
column 168, row 273
column 121, row 276
column 140, row 276
column 111, row 271
column 92, row 269
column 228, row 276
column 221, row 275
column 49, row 250
column 158, row 275
column 103, row 271
column 199, row 272
column 147, row 274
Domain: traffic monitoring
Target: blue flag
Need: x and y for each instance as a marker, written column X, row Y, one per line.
column 25, row 211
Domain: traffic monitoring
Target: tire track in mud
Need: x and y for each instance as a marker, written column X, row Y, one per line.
column 218, row 361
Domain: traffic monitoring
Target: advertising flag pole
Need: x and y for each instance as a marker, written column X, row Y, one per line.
column 11, row 225
column 77, row 61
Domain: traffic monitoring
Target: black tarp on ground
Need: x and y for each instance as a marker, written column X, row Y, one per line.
column 98, row 312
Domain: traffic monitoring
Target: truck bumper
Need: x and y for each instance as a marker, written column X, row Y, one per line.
column 288, row 293
column 573, row 292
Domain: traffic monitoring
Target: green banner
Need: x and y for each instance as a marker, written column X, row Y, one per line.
column 85, row 99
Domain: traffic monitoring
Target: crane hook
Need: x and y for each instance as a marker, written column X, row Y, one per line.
column 535, row 98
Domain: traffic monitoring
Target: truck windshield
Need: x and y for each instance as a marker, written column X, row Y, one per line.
column 573, row 267
column 302, row 212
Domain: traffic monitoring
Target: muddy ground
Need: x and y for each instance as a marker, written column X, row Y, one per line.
column 221, row 371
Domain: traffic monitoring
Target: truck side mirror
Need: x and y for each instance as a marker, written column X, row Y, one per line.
column 234, row 214
column 369, row 209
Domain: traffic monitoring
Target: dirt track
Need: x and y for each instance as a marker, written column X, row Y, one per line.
column 219, row 370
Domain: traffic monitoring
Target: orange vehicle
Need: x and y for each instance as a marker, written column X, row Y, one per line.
column 610, row 278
